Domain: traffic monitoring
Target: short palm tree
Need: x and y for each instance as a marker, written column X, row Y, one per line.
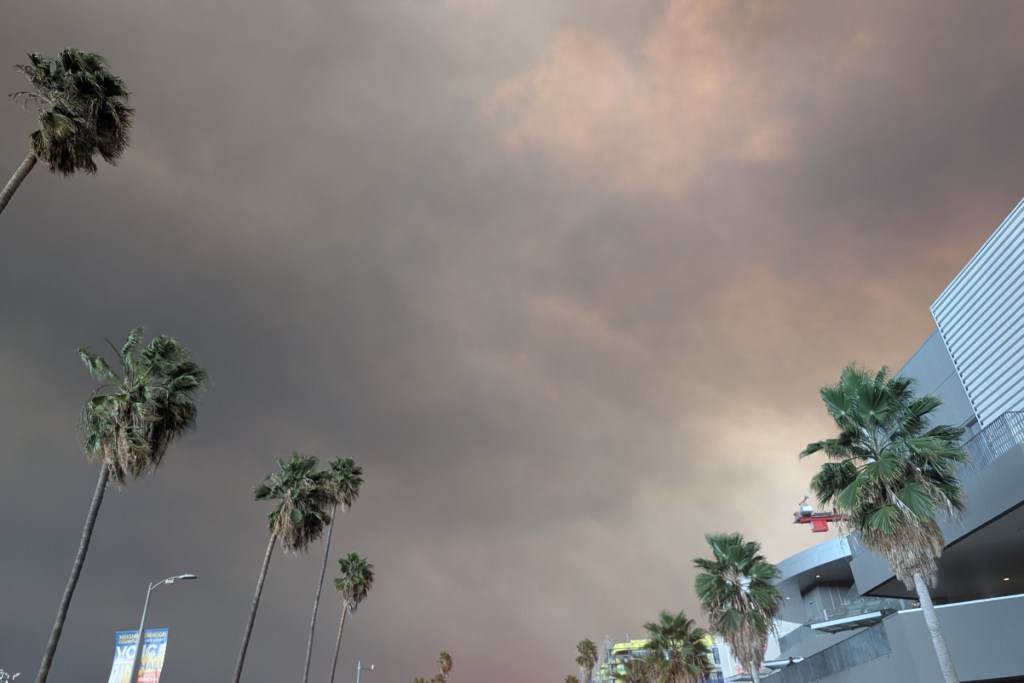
column 129, row 423
column 345, row 478
column 444, row 667
column 586, row 659
column 891, row 472
column 737, row 594
column 83, row 111
column 304, row 496
column 354, row 585
column 637, row 670
column 678, row 649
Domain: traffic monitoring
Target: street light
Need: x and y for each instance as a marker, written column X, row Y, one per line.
column 142, row 624
column 360, row 668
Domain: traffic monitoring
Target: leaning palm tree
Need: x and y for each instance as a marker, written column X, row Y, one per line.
column 586, row 659
column 83, row 111
column 678, row 649
column 299, row 518
column 891, row 472
column 344, row 478
column 737, row 594
column 129, row 423
column 354, row 585
column 444, row 667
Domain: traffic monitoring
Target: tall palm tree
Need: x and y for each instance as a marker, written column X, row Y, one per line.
column 891, row 472
column 354, row 585
column 587, row 659
column 129, row 423
column 304, row 496
column 83, row 111
column 678, row 649
column 444, row 667
column 737, row 594
column 345, row 478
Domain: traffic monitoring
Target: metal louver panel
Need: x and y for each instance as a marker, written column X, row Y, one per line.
column 980, row 316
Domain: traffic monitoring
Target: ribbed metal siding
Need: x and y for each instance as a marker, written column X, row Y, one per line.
column 980, row 316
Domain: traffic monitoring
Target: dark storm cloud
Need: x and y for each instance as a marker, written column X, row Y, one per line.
column 564, row 279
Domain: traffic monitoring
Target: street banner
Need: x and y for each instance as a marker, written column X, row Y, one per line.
column 154, row 647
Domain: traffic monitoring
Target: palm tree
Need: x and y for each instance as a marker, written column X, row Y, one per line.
column 345, row 478
column 637, row 670
column 299, row 519
column 587, row 659
column 354, row 584
column 83, row 111
column 737, row 595
column 444, row 667
column 572, row 679
column 678, row 649
column 891, row 472
column 129, row 423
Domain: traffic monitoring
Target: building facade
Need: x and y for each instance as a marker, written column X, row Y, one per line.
column 845, row 617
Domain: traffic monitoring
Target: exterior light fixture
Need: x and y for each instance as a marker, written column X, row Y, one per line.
column 138, row 644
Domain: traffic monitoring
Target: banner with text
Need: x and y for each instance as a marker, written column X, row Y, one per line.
column 154, row 647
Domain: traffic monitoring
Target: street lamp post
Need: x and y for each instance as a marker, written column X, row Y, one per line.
column 360, row 668
column 142, row 624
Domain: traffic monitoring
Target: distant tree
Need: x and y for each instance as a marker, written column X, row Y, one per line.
column 129, row 423
column 636, row 670
column 572, row 679
column 304, row 496
column 736, row 592
column 678, row 650
column 83, row 111
column 344, row 480
column 353, row 585
column 444, row 667
column 586, row 659
column 892, row 473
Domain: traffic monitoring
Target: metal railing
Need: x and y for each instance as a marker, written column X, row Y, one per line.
column 991, row 443
column 855, row 608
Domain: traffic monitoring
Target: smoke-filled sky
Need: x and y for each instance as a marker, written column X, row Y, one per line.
column 563, row 277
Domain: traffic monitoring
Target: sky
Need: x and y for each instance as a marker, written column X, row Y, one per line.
column 564, row 278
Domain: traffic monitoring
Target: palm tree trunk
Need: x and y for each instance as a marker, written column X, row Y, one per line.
column 316, row 600
column 932, row 619
column 337, row 646
column 15, row 182
column 255, row 606
column 76, row 569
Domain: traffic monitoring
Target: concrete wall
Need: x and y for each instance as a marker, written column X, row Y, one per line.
column 984, row 638
column 934, row 373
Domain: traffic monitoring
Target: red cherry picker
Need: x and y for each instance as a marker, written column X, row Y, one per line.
column 805, row 514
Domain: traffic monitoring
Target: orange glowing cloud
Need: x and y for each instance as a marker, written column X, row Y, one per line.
column 647, row 122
